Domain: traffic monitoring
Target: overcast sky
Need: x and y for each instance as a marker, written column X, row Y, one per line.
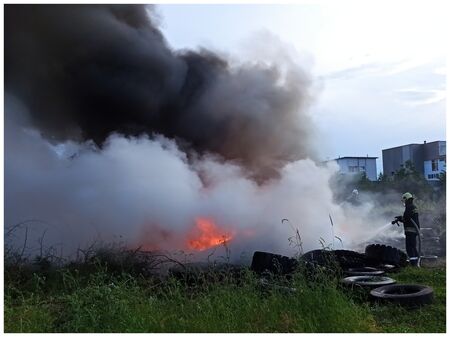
column 379, row 70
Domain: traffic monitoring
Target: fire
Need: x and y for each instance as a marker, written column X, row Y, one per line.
column 206, row 235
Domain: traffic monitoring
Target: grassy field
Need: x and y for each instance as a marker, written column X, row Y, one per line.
column 426, row 319
column 70, row 300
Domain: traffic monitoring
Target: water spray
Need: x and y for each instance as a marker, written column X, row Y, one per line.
column 380, row 230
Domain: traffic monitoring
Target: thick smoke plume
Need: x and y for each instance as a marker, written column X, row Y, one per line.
column 86, row 71
column 111, row 134
column 145, row 192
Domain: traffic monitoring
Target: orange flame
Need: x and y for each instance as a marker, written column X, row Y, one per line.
column 206, row 235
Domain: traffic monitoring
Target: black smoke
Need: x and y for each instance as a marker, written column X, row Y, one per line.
column 86, row 71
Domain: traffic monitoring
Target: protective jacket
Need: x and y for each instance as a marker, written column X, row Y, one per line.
column 411, row 213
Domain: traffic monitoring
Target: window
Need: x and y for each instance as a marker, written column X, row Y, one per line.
column 362, row 169
column 435, row 165
column 353, row 168
column 442, row 148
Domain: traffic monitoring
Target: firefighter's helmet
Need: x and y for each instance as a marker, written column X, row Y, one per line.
column 407, row 196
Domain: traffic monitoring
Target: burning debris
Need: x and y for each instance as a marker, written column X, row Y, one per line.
column 206, row 235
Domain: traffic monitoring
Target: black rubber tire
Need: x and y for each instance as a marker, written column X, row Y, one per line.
column 368, row 281
column 273, row 263
column 317, row 257
column 342, row 258
column 363, row 271
column 350, row 259
column 386, row 255
column 404, row 294
column 388, row 268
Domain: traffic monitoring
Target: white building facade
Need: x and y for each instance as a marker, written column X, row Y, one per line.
column 358, row 165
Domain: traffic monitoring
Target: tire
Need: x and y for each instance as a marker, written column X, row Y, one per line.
column 327, row 258
column 317, row 257
column 273, row 263
column 388, row 268
column 368, row 281
column 364, row 271
column 404, row 294
column 429, row 260
column 350, row 259
column 386, row 255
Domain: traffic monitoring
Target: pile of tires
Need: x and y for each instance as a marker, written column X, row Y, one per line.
column 383, row 254
column 363, row 271
column 264, row 262
column 335, row 258
column 382, row 288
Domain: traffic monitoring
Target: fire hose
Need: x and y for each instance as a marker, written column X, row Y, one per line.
column 397, row 219
column 420, row 242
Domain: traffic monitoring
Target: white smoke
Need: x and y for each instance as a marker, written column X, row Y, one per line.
column 144, row 191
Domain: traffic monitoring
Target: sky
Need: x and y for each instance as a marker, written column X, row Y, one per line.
column 379, row 71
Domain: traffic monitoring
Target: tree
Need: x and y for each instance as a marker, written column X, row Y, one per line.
column 406, row 179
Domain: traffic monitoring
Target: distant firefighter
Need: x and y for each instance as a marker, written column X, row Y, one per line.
column 354, row 197
column 410, row 219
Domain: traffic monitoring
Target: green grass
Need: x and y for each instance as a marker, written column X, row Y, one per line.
column 69, row 301
column 429, row 318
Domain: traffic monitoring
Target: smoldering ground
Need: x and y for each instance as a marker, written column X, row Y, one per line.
column 111, row 134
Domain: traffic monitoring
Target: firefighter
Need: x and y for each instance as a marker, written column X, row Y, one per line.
column 409, row 217
column 354, row 198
